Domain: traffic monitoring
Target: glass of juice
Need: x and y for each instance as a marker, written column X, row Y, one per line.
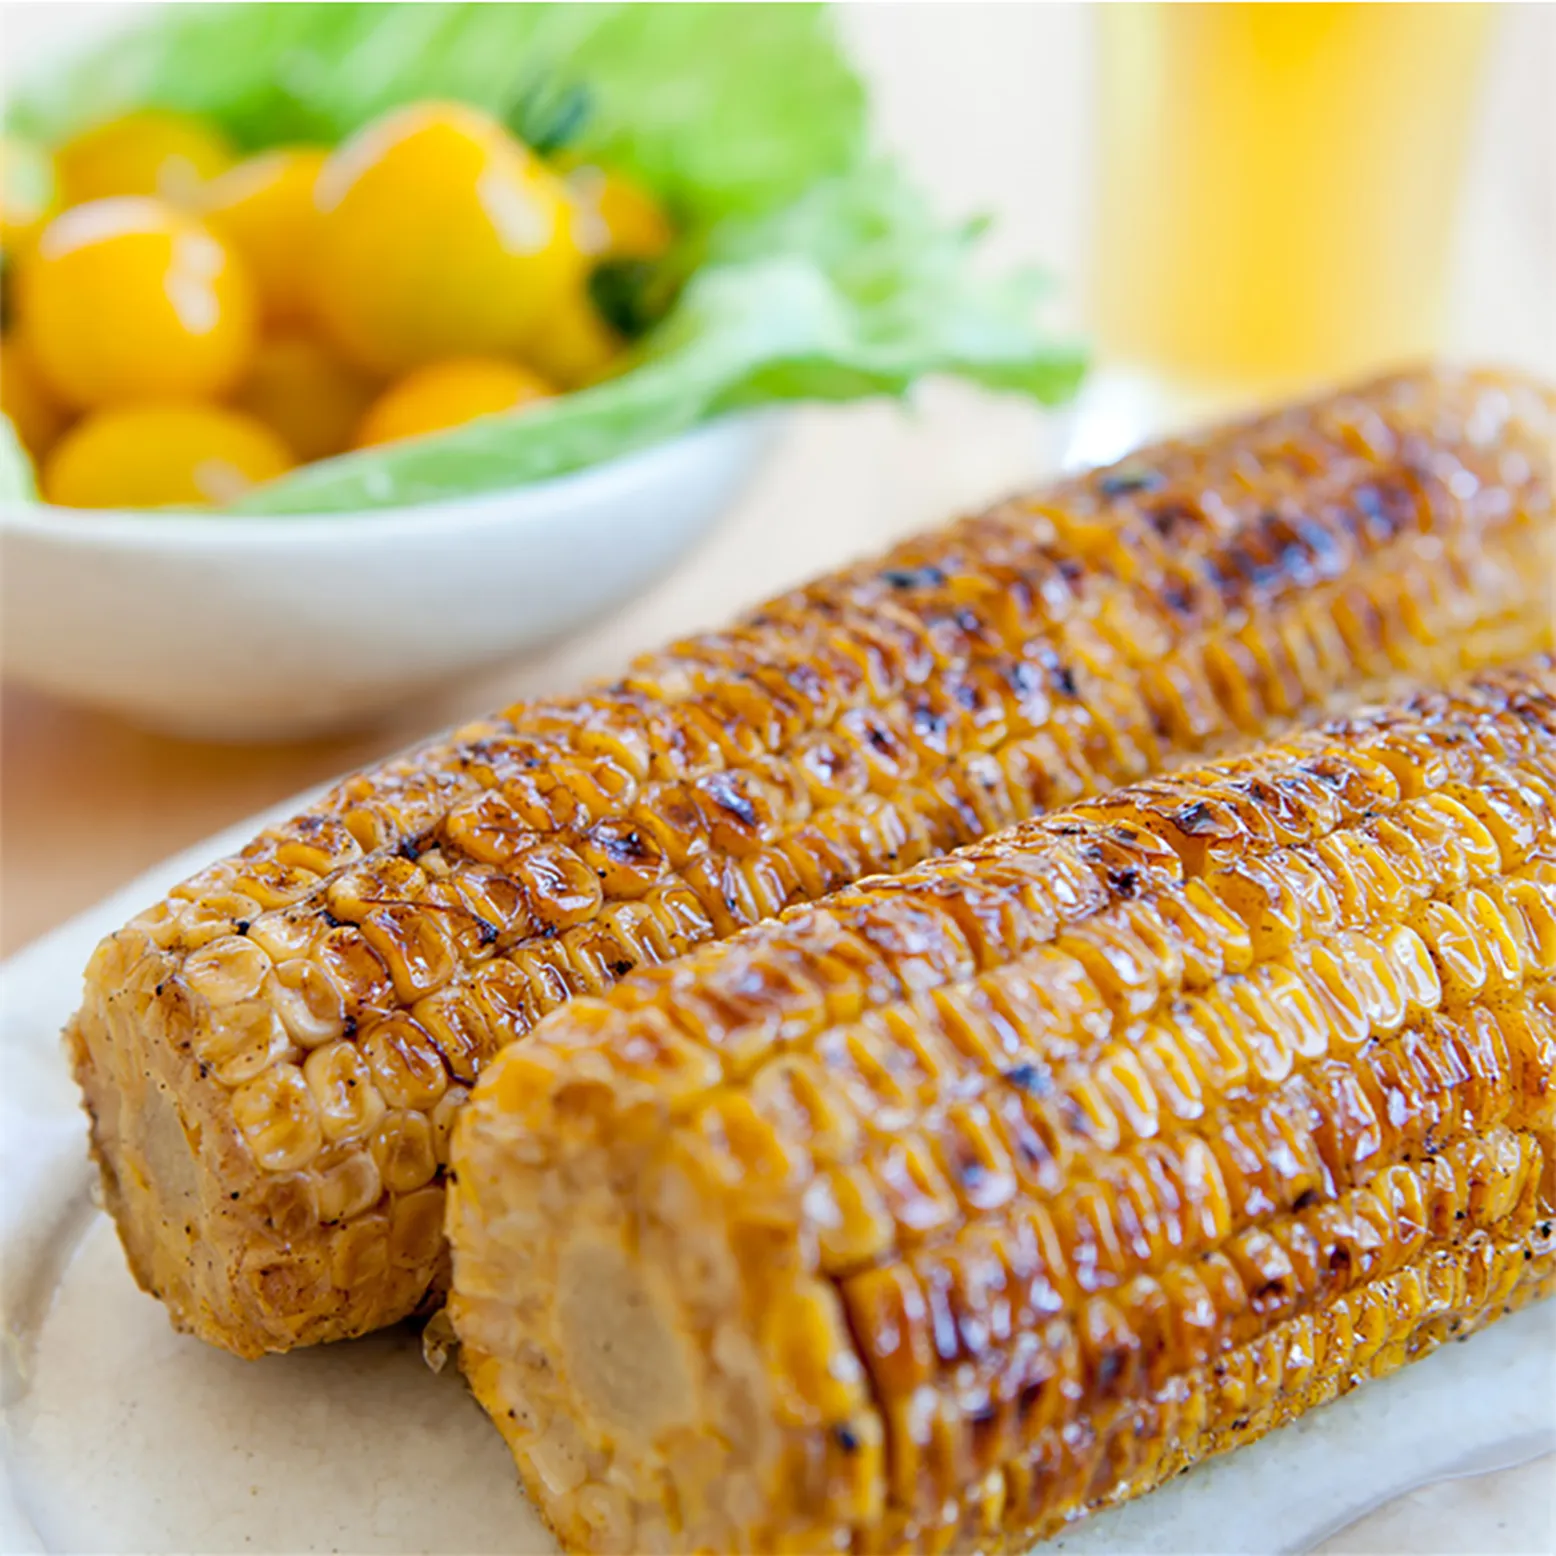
column 1277, row 187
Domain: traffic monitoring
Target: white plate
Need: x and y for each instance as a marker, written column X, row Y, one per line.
column 121, row 1436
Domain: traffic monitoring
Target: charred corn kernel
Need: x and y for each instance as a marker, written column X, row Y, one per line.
column 308, row 1000
column 263, row 210
column 27, row 401
column 349, row 1104
column 437, row 234
column 151, row 151
column 430, row 912
column 227, row 971
column 347, row 1180
column 279, row 1118
column 311, row 399
column 152, row 456
column 131, row 300
column 240, row 1043
column 448, row 394
column 955, row 1353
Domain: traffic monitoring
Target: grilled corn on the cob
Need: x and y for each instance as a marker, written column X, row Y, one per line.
column 937, row 1213
column 272, row 1057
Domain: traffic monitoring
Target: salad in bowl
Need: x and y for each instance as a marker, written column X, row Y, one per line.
column 329, row 262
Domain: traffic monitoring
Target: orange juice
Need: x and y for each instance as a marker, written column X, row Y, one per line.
column 1278, row 184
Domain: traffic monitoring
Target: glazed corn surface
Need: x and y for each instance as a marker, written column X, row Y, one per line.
column 935, row 1214
column 272, row 1057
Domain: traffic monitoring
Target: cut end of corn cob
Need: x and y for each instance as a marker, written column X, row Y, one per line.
column 272, row 1057
column 946, row 1210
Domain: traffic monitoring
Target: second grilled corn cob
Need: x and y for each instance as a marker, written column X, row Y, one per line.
column 272, row 1057
column 941, row 1212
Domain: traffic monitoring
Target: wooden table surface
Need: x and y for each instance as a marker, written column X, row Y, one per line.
column 87, row 803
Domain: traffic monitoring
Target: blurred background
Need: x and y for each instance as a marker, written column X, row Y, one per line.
column 1234, row 201
column 1000, row 108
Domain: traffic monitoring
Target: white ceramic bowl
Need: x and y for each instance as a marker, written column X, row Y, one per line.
column 264, row 628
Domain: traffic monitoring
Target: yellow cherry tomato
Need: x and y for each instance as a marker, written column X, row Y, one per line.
column 130, row 299
column 618, row 219
column 263, row 210
column 448, row 394
column 24, row 397
column 304, row 392
column 574, row 345
column 29, row 192
column 153, row 456
column 438, row 235
column 152, row 151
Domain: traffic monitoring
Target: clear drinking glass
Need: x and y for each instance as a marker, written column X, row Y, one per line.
column 1278, row 187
